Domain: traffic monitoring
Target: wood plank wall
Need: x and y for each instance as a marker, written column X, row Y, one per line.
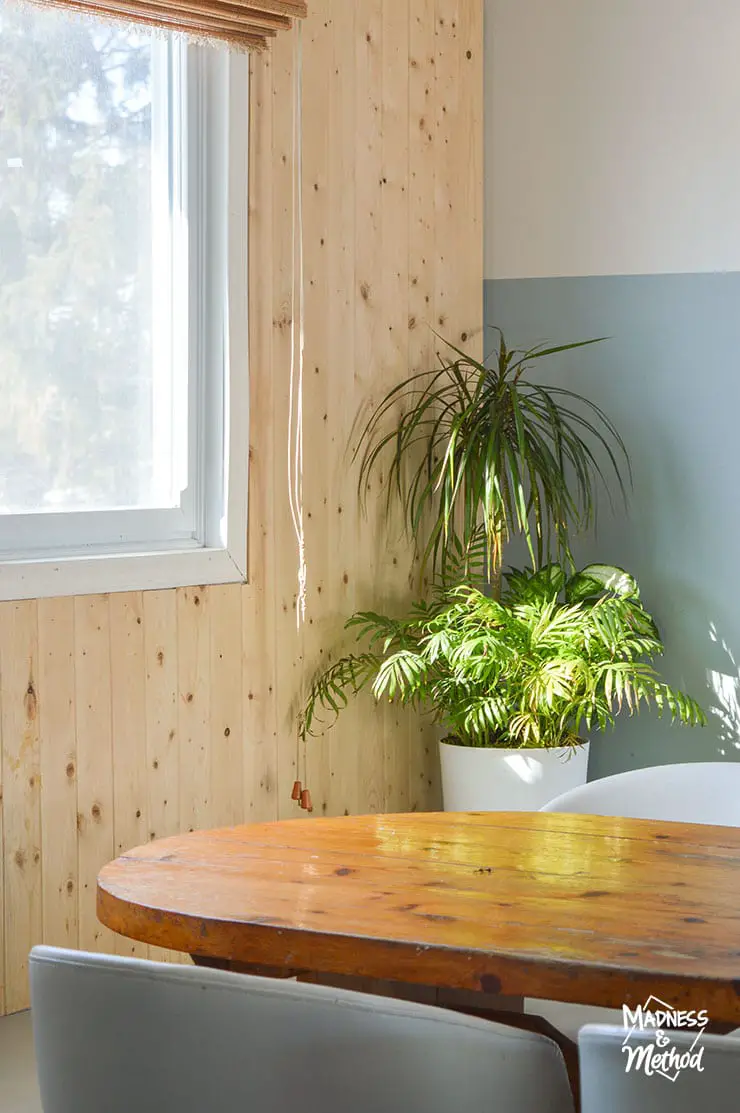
column 133, row 716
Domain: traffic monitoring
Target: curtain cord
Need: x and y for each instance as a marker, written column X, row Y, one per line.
column 297, row 330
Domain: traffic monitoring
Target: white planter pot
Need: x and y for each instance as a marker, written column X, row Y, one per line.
column 491, row 780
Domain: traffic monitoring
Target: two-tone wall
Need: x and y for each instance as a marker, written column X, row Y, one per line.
column 613, row 209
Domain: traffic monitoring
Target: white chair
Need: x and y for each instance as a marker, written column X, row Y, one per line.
column 695, row 792
column 608, row 1087
column 117, row 1035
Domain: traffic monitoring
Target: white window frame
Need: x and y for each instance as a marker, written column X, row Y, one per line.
column 205, row 540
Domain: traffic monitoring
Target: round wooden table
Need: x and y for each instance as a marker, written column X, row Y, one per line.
column 572, row 908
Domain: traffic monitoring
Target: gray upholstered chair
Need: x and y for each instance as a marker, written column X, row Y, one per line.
column 695, row 792
column 116, row 1035
column 608, row 1087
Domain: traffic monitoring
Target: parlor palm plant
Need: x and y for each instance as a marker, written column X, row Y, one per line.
column 557, row 655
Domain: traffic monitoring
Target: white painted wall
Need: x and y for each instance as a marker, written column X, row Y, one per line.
column 613, row 137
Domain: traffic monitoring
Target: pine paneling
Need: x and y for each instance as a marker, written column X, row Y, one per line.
column 128, row 732
column 340, row 254
column 95, row 784
column 58, row 758
column 21, row 792
column 370, row 370
column 134, row 716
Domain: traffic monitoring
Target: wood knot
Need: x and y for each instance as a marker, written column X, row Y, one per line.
column 70, row 770
column 31, row 702
column 489, row 983
column 95, row 811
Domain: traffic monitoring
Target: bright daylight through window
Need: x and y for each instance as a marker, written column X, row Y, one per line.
column 123, row 340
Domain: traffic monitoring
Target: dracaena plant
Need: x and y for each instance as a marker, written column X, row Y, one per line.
column 555, row 656
column 477, row 454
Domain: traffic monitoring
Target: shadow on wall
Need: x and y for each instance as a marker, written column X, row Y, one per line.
column 724, row 709
column 700, row 628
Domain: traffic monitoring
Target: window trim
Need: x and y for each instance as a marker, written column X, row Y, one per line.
column 221, row 557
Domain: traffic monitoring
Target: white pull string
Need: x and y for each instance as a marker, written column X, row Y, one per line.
column 297, row 332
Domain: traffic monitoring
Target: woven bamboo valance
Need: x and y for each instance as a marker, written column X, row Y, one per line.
column 244, row 24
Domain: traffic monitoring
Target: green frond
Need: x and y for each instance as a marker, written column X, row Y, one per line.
column 331, row 688
column 558, row 656
column 471, row 451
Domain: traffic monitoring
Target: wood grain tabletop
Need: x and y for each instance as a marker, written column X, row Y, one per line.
column 574, row 908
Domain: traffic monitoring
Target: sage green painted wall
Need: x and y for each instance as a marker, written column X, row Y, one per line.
column 670, row 379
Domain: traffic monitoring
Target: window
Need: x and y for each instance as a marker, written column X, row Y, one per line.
column 123, row 329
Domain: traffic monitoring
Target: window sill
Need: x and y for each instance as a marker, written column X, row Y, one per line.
column 125, row 571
